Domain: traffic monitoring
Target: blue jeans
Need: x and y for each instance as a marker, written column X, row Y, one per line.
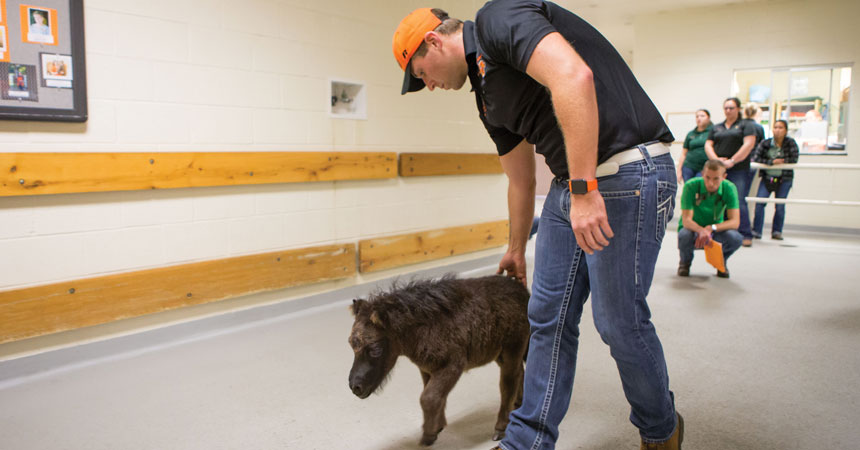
column 730, row 239
column 778, row 215
column 741, row 178
column 639, row 201
column 687, row 173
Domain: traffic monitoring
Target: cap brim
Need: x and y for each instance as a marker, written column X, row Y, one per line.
column 410, row 83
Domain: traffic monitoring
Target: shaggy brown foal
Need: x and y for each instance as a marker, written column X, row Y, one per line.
column 444, row 326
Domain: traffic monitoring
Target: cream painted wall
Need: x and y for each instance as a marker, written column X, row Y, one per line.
column 685, row 60
column 218, row 75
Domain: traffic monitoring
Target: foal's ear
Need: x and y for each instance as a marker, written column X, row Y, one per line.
column 378, row 318
column 357, row 304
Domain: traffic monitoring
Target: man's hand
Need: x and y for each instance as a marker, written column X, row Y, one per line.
column 589, row 222
column 703, row 236
column 778, row 161
column 513, row 265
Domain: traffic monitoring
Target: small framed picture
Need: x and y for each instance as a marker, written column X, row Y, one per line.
column 38, row 25
column 19, row 83
column 56, row 70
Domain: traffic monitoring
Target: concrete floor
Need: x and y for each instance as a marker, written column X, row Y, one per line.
column 766, row 360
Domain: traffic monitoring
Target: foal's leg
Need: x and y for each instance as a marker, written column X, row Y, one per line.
column 433, row 398
column 510, row 386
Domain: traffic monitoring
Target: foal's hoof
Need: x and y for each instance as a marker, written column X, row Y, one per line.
column 499, row 435
column 428, row 439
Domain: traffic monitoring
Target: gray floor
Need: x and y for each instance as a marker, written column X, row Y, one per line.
column 766, row 360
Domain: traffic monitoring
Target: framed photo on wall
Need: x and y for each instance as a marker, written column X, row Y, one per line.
column 42, row 60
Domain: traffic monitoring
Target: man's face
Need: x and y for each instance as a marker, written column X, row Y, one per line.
column 440, row 67
column 713, row 178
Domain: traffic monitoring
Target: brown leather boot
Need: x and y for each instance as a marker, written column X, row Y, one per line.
column 674, row 442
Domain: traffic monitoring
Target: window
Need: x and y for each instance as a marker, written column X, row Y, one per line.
column 813, row 100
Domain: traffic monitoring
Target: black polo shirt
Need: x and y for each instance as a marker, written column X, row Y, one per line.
column 727, row 141
column 513, row 106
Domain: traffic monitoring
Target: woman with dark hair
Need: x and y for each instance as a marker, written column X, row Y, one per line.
column 780, row 149
column 731, row 142
column 694, row 157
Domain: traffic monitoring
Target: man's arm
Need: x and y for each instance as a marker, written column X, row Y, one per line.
column 519, row 166
column 733, row 221
column 688, row 222
column 557, row 66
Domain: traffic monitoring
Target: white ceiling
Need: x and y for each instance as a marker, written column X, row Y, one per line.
column 614, row 18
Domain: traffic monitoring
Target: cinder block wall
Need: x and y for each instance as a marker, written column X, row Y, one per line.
column 211, row 75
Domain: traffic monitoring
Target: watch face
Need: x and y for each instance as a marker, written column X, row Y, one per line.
column 578, row 187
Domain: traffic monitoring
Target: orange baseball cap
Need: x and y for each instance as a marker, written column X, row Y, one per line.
column 407, row 38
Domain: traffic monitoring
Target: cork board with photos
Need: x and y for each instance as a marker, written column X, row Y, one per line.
column 42, row 69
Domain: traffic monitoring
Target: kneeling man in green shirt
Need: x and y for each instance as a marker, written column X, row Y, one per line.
column 704, row 202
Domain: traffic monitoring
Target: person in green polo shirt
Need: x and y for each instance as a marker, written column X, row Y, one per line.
column 704, row 202
column 693, row 156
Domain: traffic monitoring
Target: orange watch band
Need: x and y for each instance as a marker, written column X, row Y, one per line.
column 591, row 185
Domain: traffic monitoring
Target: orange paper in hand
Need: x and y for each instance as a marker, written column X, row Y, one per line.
column 714, row 255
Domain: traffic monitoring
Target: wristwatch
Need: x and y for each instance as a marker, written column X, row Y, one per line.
column 581, row 186
column 713, row 227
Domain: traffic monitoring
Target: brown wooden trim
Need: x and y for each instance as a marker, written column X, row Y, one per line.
column 61, row 173
column 426, row 164
column 394, row 251
column 74, row 304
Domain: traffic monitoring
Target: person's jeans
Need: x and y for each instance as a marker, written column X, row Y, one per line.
column 778, row 215
column 687, row 173
column 730, row 240
column 639, row 200
column 741, row 179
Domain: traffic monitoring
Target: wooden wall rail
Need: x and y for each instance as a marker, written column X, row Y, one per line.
column 61, row 173
column 52, row 308
column 426, row 164
column 394, row 251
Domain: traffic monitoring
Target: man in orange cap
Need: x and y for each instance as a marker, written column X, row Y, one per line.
column 547, row 81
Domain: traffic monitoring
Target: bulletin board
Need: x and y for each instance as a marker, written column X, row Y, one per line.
column 42, row 67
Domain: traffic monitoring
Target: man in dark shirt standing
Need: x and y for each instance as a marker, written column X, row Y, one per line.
column 546, row 81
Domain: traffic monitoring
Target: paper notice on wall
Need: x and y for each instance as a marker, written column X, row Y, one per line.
column 4, row 33
column 56, row 70
column 4, row 43
column 38, row 25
